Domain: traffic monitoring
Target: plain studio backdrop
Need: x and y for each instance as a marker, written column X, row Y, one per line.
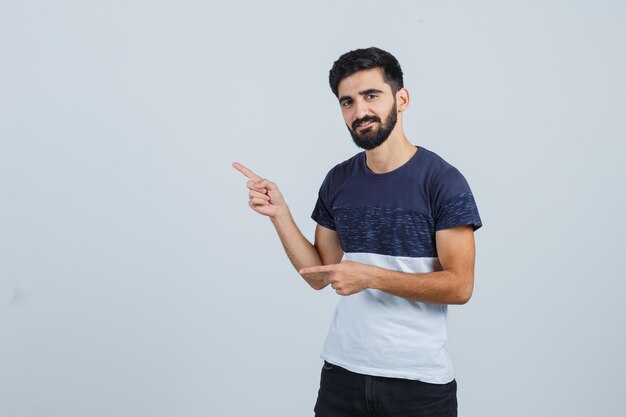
column 136, row 281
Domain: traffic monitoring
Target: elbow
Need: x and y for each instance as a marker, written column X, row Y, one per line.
column 316, row 286
column 317, row 283
column 463, row 299
column 464, row 292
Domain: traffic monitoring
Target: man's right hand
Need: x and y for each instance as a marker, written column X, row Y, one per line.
column 264, row 196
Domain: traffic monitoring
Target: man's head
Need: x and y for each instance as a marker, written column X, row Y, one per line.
column 367, row 83
column 365, row 59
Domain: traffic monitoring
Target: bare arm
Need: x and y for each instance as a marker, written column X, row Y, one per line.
column 302, row 253
column 453, row 285
column 265, row 198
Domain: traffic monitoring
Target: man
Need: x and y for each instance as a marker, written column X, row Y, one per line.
column 395, row 238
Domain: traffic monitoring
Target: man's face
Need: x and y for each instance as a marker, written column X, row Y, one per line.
column 366, row 101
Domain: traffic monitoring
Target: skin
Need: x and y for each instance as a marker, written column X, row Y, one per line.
column 365, row 93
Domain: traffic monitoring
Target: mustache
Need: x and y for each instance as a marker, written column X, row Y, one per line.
column 365, row 119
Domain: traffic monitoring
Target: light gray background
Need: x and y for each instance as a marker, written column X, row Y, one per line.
column 136, row 281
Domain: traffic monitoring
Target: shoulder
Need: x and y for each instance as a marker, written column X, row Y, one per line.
column 343, row 170
column 437, row 168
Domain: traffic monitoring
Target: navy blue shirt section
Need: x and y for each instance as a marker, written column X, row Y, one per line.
column 396, row 213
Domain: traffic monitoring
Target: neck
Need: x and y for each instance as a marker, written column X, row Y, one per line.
column 392, row 154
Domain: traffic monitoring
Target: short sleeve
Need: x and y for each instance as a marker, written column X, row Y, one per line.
column 322, row 213
column 454, row 203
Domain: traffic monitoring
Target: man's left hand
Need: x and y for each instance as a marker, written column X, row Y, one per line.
column 346, row 278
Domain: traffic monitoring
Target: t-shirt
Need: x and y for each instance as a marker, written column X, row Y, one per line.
column 389, row 220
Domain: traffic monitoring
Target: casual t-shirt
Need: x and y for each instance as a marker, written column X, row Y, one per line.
column 389, row 220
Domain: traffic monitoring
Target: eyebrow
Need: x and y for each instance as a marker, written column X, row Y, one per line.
column 361, row 93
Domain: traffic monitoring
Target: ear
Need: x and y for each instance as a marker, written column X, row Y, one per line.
column 402, row 99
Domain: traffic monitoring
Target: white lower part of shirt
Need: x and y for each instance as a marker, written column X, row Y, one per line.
column 376, row 333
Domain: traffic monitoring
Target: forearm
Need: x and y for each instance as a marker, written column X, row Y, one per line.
column 452, row 285
column 441, row 287
column 299, row 250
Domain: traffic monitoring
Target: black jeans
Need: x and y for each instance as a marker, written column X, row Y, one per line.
column 347, row 394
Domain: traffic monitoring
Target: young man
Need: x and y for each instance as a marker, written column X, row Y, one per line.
column 395, row 238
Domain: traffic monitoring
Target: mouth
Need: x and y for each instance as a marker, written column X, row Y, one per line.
column 365, row 125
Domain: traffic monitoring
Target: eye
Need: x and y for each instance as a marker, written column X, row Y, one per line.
column 346, row 103
column 371, row 96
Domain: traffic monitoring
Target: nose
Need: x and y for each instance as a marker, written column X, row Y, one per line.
column 360, row 109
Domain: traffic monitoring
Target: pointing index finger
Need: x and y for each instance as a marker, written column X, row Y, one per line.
column 316, row 269
column 245, row 171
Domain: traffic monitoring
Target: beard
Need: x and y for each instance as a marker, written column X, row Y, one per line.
column 371, row 138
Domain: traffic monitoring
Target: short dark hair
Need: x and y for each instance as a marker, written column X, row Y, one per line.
column 364, row 59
